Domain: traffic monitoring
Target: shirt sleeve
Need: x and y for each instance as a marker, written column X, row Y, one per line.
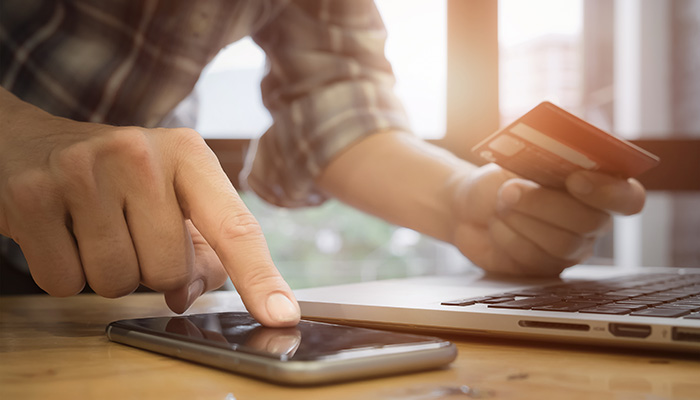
column 328, row 85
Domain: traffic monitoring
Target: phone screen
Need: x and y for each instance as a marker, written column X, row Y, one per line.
column 308, row 341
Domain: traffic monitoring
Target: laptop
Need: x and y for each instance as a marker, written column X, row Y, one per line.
column 657, row 308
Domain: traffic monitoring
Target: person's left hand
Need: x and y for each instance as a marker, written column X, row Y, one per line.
column 509, row 225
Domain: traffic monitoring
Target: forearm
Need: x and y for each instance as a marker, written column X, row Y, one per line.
column 399, row 178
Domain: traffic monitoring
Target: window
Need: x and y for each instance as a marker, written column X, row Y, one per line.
column 625, row 67
column 334, row 243
column 229, row 94
column 566, row 51
column 229, row 88
column 539, row 55
column 417, row 50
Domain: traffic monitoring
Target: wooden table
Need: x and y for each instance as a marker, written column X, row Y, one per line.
column 56, row 348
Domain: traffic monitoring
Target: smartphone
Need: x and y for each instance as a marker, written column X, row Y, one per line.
column 548, row 143
column 307, row 354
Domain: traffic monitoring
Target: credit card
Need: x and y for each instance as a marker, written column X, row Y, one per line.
column 547, row 144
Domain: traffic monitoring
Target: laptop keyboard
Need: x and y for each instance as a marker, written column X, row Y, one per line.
column 648, row 295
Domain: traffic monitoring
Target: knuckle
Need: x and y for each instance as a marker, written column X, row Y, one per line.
column 238, row 226
column 74, row 168
column 131, row 152
column 132, row 146
column 188, row 137
column 78, row 156
column 30, row 191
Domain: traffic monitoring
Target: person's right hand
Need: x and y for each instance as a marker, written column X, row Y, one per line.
column 119, row 206
column 509, row 225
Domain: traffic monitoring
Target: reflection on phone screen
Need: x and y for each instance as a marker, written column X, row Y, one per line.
column 282, row 342
column 306, row 341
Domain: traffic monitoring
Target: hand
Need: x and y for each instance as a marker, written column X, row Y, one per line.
column 513, row 226
column 115, row 206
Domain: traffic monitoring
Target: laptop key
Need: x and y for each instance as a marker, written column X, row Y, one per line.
column 606, row 310
column 564, row 306
column 694, row 302
column 530, row 292
column 629, row 306
column 606, row 297
column 497, row 300
column 473, row 300
column 660, row 312
column 688, row 307
column 626, row 293
column 527, row 303
column 644, row 304
column 461, row 303
column 657, row 297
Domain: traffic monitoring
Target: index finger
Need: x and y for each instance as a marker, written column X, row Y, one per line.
column 208, row 198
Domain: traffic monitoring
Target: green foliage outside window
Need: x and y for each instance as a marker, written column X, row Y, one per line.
column 334, row 243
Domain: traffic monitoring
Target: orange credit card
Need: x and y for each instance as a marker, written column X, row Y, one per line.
column 547, row 144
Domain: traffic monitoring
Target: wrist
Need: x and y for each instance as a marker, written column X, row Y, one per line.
column 401, row 179
column 19, row 119
column 457, row 187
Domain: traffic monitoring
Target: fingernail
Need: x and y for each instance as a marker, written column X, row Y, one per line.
column 579, row 184
column 282, row 309
column 193, row 292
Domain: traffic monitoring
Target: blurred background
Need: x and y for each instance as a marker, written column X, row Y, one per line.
column 631, row 67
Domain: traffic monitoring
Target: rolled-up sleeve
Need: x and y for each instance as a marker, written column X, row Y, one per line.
column 328, row 85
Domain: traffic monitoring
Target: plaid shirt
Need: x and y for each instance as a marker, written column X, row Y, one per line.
column 127, row 62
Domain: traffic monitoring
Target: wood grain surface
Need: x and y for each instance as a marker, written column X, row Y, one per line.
column 54, row 348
